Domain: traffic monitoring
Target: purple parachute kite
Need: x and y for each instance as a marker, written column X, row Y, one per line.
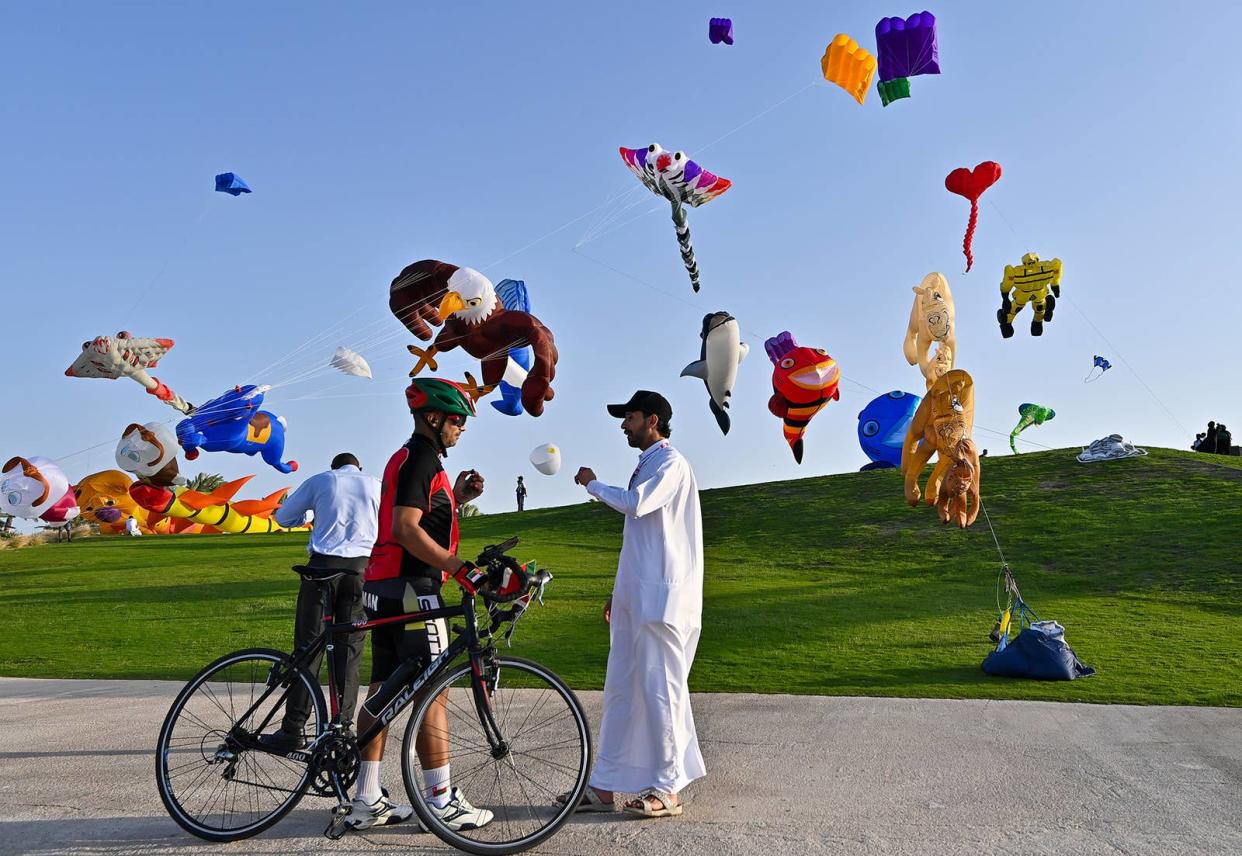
column 905, row 48
column 720, row 30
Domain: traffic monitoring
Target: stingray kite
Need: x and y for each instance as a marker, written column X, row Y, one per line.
column 971, row 183
column 486, row 321
column 1031, row 414
column 123, row 355
column 1099, row 363
column 682, row 182
column 906, row 48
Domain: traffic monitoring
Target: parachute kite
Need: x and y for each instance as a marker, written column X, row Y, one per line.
column 234, row 423
column 1029, row 282
column 971, row 183
column 227, row 182
column 942, row 426
column 1031, row 414
column 125, row 356
column 905, row 49
column 848, row 65
column 720, row 30
column 803, row 381
column 682, row 182
column 478, row 318
column 721, row 353
column 351, row 362
column 35, row 488
column 1099, row 363
column 546, row 459
column 882, row 427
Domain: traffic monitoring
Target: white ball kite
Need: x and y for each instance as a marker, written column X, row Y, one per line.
column 546, row 459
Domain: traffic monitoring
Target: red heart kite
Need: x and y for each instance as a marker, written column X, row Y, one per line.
column 971, row 183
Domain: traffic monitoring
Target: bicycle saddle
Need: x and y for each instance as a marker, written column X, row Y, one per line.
column 321, row 575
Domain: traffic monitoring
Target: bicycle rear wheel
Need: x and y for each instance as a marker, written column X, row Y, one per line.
column 544, row 750
column 213, row 780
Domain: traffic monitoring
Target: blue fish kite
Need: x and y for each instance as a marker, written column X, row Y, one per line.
column 230, row 183
column 882, row 427
column 1100, row 363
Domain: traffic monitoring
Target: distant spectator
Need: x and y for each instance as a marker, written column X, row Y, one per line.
column 521, row 494
column 1197, row 445
column 1209, row 439
column 1223, row 440
column 131, row 528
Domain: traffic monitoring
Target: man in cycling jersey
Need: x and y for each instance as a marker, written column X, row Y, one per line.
column 415, row 552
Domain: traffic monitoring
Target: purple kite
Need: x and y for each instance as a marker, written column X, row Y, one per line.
column 720, row 30
column 905, row 49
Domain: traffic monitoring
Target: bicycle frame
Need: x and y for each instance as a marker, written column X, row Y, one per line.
column 398, row 691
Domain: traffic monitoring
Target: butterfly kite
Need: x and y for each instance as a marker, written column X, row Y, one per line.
column 682, row 182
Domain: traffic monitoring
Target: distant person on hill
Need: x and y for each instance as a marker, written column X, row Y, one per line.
column 647, row 740
column 131, row 528
column 345, row 507
column 1223, row 440
column 1209, row 439
column 1197, row 445
column 521, row 494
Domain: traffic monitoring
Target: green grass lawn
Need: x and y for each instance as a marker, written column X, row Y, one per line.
column 823, row 585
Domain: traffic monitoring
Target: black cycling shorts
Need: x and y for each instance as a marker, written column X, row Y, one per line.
column 393, row 644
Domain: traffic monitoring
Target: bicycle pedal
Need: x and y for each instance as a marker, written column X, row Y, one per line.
column 336, row 826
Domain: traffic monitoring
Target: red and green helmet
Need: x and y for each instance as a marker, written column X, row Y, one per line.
column 436, row 394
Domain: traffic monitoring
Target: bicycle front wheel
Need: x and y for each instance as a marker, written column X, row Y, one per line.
column 515, row 738
column 213, row 779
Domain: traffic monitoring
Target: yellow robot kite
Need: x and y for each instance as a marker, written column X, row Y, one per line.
column 1029, row 282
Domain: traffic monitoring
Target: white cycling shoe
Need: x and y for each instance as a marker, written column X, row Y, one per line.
column 382, row 812
column 459, row 814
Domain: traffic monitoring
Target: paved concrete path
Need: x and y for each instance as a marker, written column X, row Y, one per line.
column 787, row 774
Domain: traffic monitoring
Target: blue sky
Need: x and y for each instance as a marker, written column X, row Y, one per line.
column 486, row 135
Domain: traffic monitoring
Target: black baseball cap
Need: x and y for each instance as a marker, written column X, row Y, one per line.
column 644, row 401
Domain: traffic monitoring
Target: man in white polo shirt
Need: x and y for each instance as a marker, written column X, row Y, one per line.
column 345, row 506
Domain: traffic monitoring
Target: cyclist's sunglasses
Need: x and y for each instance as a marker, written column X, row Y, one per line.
column 455, row 419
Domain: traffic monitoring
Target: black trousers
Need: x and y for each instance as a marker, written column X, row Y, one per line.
column 346, row 606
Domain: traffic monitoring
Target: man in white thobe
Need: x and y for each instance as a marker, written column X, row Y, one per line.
column 648, row 744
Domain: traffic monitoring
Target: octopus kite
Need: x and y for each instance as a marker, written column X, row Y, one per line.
column 486, row 324
column 682, row 182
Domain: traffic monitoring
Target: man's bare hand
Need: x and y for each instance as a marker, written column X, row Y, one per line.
column 608, row 611
column 585, row 476
column 469, row 485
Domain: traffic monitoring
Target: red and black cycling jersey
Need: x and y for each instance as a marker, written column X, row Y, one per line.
column 414, row 478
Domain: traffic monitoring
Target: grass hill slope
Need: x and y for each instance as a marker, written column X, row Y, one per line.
column 818, row 586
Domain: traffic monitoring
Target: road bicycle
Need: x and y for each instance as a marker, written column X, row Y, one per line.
column 517, row 734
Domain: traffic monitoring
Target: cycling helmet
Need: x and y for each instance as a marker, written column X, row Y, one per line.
column 436, row 394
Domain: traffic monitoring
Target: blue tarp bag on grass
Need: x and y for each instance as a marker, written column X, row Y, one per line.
column 1039, row 651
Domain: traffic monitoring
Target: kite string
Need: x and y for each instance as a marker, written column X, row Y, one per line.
column 1099, row 333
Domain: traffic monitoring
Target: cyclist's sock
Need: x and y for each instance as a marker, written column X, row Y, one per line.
column 438, row 788
column 368, row 782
